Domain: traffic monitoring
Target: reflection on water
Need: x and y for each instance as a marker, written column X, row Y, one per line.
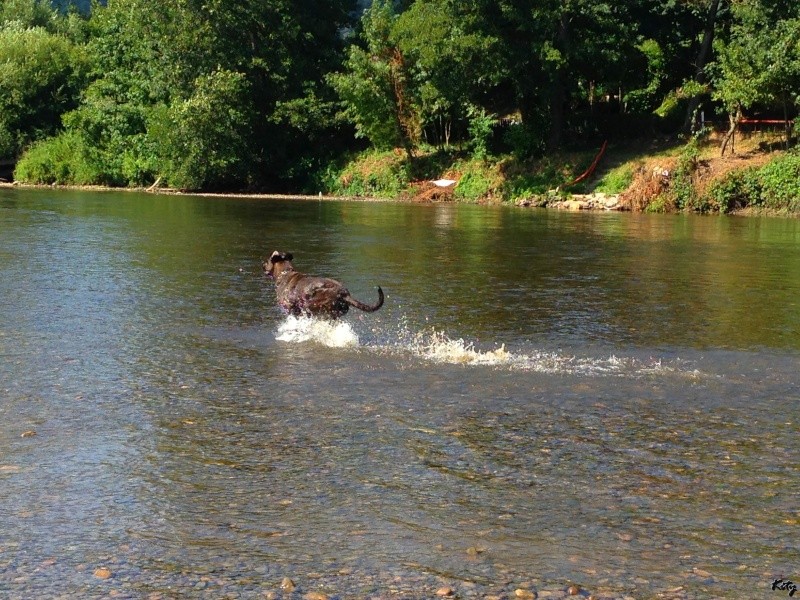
column 544, row 399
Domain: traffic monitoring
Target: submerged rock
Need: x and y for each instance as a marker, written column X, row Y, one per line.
column 287, row 585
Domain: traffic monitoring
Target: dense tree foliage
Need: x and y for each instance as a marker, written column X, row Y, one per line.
column 759, row 62
column 43, row 68
column 210, row 94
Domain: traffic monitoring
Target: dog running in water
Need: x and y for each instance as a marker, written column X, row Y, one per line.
column 301, row 294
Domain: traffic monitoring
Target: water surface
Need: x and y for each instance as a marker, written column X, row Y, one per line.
column 546, row 398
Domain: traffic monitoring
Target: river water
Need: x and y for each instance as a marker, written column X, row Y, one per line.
column 546, row 399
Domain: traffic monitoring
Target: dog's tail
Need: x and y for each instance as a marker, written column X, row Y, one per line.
column 366, row 307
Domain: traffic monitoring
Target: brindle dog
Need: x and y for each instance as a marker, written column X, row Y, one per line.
column 301, row 294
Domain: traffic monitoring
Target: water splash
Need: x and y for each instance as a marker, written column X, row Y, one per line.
column 333, row 334
column 431, row 345
column 435, row 346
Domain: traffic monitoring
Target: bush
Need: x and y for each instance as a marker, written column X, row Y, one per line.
column 202, row 139
column 780, row 183
column 372, row 173
column 478, row 180
column 775, row 186
column 738, row 189
column 533, row 181
column 682, row 186
column 481, row 126
column 660, row 204
column 63, row 160
column 524, row 141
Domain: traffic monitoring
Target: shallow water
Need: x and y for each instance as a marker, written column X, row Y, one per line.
column 609, row 400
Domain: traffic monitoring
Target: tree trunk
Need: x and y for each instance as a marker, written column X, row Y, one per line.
column 787, row 128
column 703, row 58
column 556, row 114
column 557, row 95
column 403, row 120
column 734, row 119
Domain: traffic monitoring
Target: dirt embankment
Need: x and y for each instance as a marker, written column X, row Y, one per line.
column 653, row 177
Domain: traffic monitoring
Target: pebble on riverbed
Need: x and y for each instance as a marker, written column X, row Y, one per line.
column 287, row 585
column 103, row 573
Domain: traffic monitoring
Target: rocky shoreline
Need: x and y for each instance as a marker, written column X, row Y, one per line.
column 595, row 201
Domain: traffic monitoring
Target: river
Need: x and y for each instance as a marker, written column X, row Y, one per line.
column 546, row 399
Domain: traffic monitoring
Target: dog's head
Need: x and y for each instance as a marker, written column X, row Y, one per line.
column 278, row 263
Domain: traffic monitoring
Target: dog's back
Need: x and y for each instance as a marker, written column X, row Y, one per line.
column 298, row 293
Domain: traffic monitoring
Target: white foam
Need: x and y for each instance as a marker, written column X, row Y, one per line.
column 333, row 334
column 435, row 346
column 438, row 347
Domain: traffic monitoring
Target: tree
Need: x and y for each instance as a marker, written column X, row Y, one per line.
column 155, row 63
column 453, row 65
column 42, row 69
column 200, row 138
column 374, row 87
column 703, row 59
column 760, row 64
column 558, row 51
column 42, row 74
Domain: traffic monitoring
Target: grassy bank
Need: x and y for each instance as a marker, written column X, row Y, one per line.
column 652, row 176
column 649, row 177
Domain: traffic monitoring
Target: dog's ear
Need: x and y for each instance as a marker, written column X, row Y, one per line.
column 278, row 257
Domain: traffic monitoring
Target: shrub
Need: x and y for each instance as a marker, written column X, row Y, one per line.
column 534, row 181
column 737, row 189
column 478, row 180
column 780, row 183
column 481, row 126
column 64, row 160
column 524, row 140
column 775, row 186
column 660, row 204
column 372, row 173
column 648, row 191
column 41, row 75
column 682, row 186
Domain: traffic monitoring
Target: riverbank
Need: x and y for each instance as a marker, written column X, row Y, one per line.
column 173, row 192
column 658, row 177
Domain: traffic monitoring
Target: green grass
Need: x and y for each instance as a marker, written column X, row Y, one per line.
column 615, row 181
